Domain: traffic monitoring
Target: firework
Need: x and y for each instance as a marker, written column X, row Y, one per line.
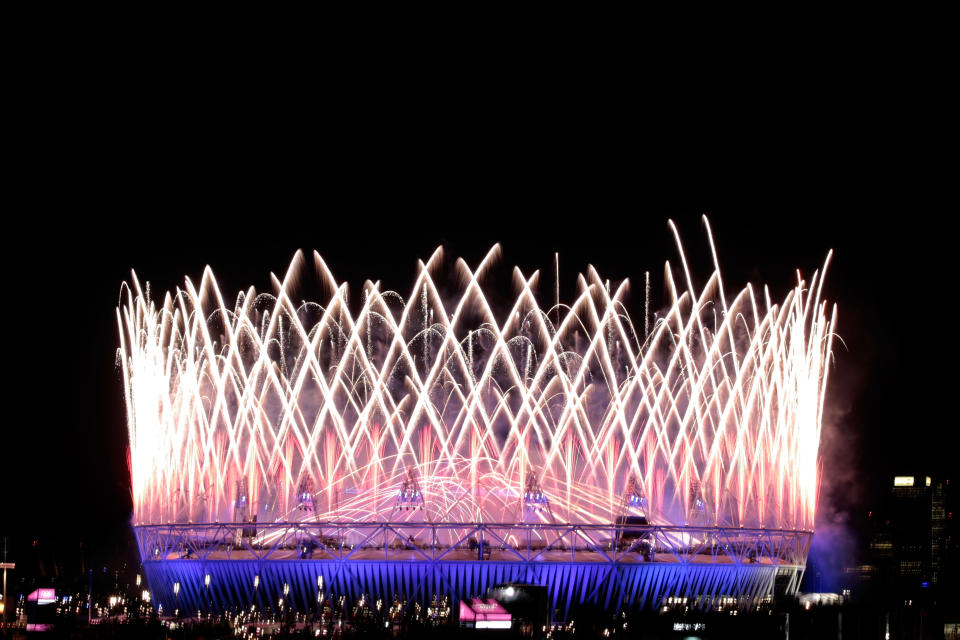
column 421, row 409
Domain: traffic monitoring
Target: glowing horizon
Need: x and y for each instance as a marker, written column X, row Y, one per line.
column 297, row 411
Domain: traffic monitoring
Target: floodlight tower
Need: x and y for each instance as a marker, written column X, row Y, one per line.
column 241, row 511
column 305, row 496
column 534, row 500
column 241, row 502
column 633, row 499
column 410, row 497
column 698, row 506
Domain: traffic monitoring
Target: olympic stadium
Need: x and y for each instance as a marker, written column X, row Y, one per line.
column 284, row 453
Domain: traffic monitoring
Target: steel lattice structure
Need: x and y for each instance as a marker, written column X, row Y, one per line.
column 279, row 414
column 608, row 566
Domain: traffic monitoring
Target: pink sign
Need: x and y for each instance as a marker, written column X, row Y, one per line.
column 466, row 613
column 485, row 614
column 43, row 596
column 489, row 609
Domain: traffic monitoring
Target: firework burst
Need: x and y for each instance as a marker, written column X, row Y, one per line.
column 419, row 408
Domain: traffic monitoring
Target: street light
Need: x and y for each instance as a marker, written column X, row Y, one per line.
column 319, row 595
column 206, row 586
column 5, row 565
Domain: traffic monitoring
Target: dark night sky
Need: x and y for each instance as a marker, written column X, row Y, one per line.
column 171, row 158
column 67, row 473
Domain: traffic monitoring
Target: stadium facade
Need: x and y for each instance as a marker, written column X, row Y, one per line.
column 283, row 450
column 706, row 567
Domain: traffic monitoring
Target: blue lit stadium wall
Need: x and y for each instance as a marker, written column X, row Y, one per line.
column 569, row 584
column 598, row 565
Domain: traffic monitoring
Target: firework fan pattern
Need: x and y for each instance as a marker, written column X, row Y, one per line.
column 439, row 408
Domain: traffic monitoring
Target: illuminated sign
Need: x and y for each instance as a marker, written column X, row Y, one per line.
column 903, row 481
column 43, row 596
column 484, row 615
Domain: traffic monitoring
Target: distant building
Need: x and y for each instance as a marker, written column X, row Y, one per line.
column 911, row 540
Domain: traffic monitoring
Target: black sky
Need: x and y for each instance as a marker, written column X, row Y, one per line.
column 150, row 154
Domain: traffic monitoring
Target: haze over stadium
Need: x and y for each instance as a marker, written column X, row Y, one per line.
column 419, row 423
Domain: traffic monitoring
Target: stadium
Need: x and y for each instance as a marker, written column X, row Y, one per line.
column 426, row 448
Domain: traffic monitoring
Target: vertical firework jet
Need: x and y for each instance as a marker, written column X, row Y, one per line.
column 420, row 410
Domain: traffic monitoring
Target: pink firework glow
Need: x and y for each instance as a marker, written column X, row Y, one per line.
column 426, row 409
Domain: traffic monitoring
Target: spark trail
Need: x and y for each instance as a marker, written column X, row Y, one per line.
column 711, row 415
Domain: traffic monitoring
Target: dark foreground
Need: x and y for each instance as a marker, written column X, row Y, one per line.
column 848, row 621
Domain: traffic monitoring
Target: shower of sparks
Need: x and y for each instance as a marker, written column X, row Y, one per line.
column 423, row 409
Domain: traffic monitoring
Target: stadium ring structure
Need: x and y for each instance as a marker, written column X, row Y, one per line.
column 284, row 451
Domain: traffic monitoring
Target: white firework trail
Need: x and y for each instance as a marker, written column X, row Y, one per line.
column 715, row 414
